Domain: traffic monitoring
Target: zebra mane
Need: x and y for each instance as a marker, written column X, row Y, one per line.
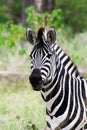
column 40, row 34
column 61, row 54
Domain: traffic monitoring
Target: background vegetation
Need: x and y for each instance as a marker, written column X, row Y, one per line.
column 20, row 107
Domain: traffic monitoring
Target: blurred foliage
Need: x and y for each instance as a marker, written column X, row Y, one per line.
column 75, row 14
column 72, row 14
column 36, row 19
column 12, row 37
column 3, row 17
column 11, row 34
column 13, row 47
column 10, row 10
column 16, row 10
column 56, row 19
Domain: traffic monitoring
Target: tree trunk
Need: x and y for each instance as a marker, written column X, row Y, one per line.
column 25, row 3
column 44, row 5
column 50, row 5
column 38, row 5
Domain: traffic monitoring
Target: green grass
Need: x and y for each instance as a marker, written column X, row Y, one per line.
column 21, row 108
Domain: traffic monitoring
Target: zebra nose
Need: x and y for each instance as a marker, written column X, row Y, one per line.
column 36, row 79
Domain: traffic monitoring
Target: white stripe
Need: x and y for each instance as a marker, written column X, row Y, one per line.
column 73, row 99
column 61, row 54
column 64, row 59
column 71, row 69
column 67, row 65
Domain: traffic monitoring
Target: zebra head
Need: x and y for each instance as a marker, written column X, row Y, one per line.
column 42, row 56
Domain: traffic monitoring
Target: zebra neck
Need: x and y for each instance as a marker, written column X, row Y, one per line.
column 66, row 61
column 47, row 90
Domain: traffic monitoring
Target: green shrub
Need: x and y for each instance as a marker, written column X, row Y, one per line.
column 12, row 46
column 11, row 34
column 36, row 19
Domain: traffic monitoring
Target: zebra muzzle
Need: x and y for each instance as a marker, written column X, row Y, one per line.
column 36, row 80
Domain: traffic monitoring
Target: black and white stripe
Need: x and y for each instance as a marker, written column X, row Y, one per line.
column 64, row 90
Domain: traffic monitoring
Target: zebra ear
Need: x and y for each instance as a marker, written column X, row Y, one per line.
column 30, row 35
column 51, row 36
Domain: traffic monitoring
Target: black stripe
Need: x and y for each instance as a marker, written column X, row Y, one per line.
column 57, row 48
column 63, row 56
column 65, row 101
column 48, row 124
column 83, row 90
column 70, row 66
column 56, row 88
column 44, row 69
column 66, row 61
column 43, row 96
column 76, row 71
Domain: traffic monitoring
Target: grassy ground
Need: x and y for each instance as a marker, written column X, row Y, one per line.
column 20, row 108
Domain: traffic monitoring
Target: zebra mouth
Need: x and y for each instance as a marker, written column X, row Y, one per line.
column 37, row 86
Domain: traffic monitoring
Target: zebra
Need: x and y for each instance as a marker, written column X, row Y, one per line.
column 62, row 88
